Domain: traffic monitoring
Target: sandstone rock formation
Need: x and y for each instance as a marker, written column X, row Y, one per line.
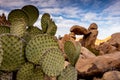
column 112, row 45
column 3, row 21
column 111, row 75
column 89, row 35
column 79, row 30
column 85, row 53
column 115, row 40
column 96, row 66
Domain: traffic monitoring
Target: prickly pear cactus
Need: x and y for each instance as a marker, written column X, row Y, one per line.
column 45, row 21
column 72, row 50
column 37, row 45
column 18, row 20
column 33, row 31
column 53, row 62
column 30, row 53
column 4, row 29
column 13, row 52
column 32, row 13
column 69, row 73
column 1, row 53
column 29, row 72
column 52, row 28
column 24, row 72
column 37, row 74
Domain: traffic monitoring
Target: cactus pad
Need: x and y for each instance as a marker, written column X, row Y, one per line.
column 29, row 72
column 4, row 29
column 37, row 45
column 52, row 28
column 72, row 49
column 45, row 21
column 37, row 74
column 32, row 13
column 34, row 31
column 1, row 53
column 69, row 73
column 18, row 20
column 31, row 32
column 53, row 62
column 13, row 52
column 24, row 72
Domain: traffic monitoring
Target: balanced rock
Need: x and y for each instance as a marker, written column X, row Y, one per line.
column 79, row 30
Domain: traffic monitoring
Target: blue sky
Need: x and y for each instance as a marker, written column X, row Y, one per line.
column 66, row 13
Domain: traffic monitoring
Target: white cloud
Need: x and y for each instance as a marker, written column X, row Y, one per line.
column 89, row 16
column 11, row 3
column 108, row 20
column 70, row 12
column 3, row 11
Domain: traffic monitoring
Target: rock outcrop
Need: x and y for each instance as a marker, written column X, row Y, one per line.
column 96, row 66
column 112, row 45
column 3, row 21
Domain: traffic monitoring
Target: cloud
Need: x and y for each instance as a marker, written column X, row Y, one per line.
column 11, row 3
column 3, row 11
column 67, row 13
column 114, row 7
column 89, row 16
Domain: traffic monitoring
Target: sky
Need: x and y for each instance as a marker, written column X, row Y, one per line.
column 66, row 13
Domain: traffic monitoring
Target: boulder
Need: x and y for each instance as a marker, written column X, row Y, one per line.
column 106, row 48
column 115, row 40
column 95, row 66
column 85, row 53
column 111, row 75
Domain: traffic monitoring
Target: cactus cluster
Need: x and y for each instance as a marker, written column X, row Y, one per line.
column 31, row 53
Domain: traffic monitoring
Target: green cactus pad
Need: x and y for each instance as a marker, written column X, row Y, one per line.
column 45, row 21
column 1, row 53
column 37, row 45
column 29, row 72
column 13, row 52
column 52, row 28
column 4, row 29
column 25, row 72
column 53, row 62
column 18, row 20
column 72, row 50
column 37, row 74
column 69, row 73
column 31, row 32
column 32, row 13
